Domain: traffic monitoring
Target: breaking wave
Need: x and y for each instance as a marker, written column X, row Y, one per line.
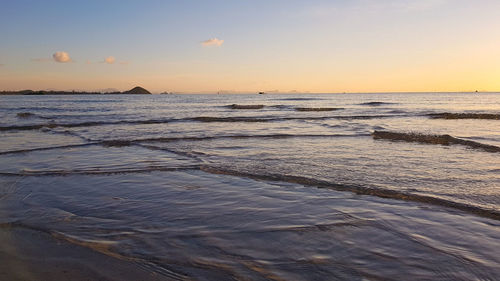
column 376, row 103
column 447, row 115
column 246, row 106
column 433, row 139
column 25, row 115
column 358, row 189
column 317, row 108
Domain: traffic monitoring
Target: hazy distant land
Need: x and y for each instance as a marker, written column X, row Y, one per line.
column 133, row 91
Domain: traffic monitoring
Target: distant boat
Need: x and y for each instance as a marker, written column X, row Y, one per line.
column 262, row 93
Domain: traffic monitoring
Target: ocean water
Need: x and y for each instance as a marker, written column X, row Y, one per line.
column 294, row 187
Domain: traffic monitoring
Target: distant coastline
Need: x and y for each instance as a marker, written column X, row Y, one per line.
column 144, row 91
column 133, row 91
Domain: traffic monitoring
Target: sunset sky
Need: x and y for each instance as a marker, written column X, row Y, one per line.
column 249, row 46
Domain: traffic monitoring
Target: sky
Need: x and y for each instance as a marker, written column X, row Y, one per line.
column 236, row 46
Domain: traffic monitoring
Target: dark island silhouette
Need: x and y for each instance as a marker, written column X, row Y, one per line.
column 137, row 91
column 133, row 91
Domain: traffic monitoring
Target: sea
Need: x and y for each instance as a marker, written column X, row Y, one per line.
column 262, row 186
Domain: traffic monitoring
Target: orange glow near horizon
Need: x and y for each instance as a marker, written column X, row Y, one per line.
column 319, row 47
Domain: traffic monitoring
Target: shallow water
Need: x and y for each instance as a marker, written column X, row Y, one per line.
column 192, row 186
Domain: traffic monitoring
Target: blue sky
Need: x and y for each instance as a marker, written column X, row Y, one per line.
column 314, row 46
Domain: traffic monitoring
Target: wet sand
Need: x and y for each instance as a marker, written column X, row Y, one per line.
column 34, row 255
column 196, row 225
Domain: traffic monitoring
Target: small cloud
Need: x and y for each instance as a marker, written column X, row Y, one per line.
column 61, row 57
column 112, row 60
column 109, row 60
column 212, row 42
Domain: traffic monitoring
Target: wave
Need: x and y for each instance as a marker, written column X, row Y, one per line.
column 47, row 148
column 280, row 106
column 206, row 119
column 209, row 119
column 246, row 106
column 123, row 143
column 358, row 189
column 433, row 139
column 317, row 108
column 271, row 136
column 25, row 127
column 98, row 171
column 25, row 115
column 376, row 103
column 396, row 111
column 58, row 109
column 227, row 119
column 269, row 119
column 116, row 143
column 82, row 124
column 447, row 115
column 141, row 142
column 29, row 115
column 272, row 119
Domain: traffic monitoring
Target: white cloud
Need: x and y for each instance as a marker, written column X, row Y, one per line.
column 212, row 42
column 109, row 60
column 61, row 57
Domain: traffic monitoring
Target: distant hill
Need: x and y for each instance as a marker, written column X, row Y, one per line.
column 137, row 91
column 134, row 91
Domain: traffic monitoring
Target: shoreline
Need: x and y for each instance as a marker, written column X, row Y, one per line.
column 350, row 236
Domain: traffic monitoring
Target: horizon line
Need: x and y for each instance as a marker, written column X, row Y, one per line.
column 225, row 92
column 105, row 90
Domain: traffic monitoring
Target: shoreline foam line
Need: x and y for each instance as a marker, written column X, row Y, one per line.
column 360, row 190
